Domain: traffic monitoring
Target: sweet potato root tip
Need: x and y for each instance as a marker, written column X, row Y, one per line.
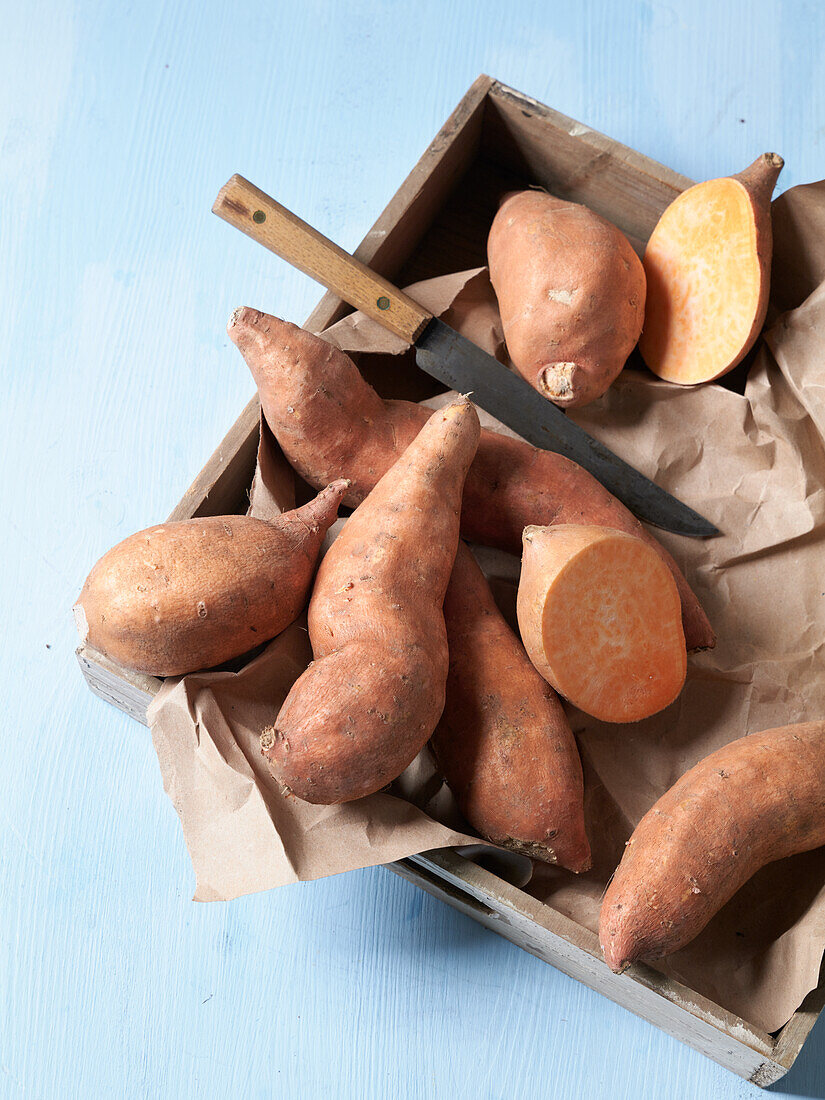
column 708, row 266
column 330, row 422
column 559, row 381
column 571, row 292
column 503, row 742
column 600, row 617
column 699, row 844
column 760, row 178
column 371, row 698
column 189, row 595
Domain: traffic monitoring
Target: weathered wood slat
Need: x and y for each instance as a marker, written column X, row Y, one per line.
column 575, row 950
column 579, row 164
column 130, row 691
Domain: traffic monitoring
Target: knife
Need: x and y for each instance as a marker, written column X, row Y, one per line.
column 446, row 355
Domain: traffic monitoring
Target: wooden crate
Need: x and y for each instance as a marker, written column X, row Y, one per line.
column 497, row 139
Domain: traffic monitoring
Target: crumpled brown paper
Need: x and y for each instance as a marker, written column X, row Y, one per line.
column 754, row 464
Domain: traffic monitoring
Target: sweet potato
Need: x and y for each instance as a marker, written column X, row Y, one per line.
column 756, row 800
column 191, row 594
column 599, row 615
column 708, row 266
column 571, row 292
column 370, row 700
column 330, row 423
column 503, row 742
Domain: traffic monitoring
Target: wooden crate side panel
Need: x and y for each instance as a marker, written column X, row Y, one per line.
column 790, row 1038
column 457, row 238
column 132, row 692
column 579, row 164
column 548, row 935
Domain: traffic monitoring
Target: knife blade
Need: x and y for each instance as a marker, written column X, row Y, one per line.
column 449, row 357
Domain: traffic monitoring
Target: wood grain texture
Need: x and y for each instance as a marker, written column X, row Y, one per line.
column 117, row 380
column 266, row 221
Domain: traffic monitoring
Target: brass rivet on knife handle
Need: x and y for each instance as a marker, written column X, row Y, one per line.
column 252, row 211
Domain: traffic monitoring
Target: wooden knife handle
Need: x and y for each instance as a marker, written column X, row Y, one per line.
column 243, row 205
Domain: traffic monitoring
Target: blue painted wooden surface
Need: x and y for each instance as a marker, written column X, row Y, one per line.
column 118, row 124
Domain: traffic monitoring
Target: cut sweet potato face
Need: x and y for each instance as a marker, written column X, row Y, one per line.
column 599, row 616
column 708, row 272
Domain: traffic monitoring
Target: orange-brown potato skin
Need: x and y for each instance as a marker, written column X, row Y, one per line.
column 503, row 742
column 759, row 180
column 330, row 423
column 370, row 700
column 191, row 594
column 571, row 292
column 756, row 800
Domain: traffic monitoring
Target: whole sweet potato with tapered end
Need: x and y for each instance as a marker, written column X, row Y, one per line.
column 571, row 292
column 599, row 615
column 330, row 423
column 370, row 700
column 503, row 742
column 191, row 594
column 756, row 800
column 708, row 266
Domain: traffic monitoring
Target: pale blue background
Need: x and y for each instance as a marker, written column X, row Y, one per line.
column 118, row 123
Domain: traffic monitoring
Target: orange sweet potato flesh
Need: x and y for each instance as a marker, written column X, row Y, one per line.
column 331, row 423
column 708, row 264
column 503, row 742
column 571, row 292
column 599, row 614
column 370, row 700
column 756, row 800
column 191, row 594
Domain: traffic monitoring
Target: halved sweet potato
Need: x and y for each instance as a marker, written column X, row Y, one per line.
column 599, row 616
column 708, row 264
